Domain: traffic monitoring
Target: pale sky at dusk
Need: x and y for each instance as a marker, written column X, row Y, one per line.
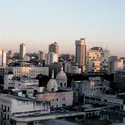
column 37, row 23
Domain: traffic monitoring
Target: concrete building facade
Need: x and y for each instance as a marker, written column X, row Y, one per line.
column 97, row 60
column 51, row 58
column 54, row 47
column 29, row 71
column 81, row 52
column 22, row 50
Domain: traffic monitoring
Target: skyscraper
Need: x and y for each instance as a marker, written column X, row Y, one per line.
column 51, row 58
column 22, row 50
column 41, row 56
column 81, row 52
column 97, row 60
column 54, row 47
column 2, row 57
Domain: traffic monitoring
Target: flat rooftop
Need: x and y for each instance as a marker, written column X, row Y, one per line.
column 19, row 98
column 103, row 95
column 57, row 122
column 49, row 116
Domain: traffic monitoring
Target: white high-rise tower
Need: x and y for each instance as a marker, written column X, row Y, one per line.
column 2, row 57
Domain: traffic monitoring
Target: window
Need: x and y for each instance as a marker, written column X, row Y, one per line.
column 1, row 114
column 5, row 107
column 1, row 106
column 8, row 117
column 63, row 99
column 8, row 109
column 56, row 99
column 61, row 84
column 65, row 84
column 64, row 105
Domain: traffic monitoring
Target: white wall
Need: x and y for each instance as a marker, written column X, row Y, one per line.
column 8, row 81
column 18, row 106
column 0, row 57
column 26, row 58
column 29, row 71
column 4, row 60
column 23, row 85
column 51, row 58
column 57, row 98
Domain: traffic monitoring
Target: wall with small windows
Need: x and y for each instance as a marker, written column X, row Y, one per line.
column 23, row 83
column 24, row 107
column 89, row 87
column 20, row 106
column 31, row 72
column 59, row 99
column 5, row 109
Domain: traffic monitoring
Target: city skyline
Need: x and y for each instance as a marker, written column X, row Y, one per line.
column 39, row 23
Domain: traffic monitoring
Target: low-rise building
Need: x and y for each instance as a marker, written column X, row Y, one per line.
column 119, row 79
column 13, row 107
column 88, row 87
column 57, row 99
column 19, row 82
column 31, row 71
column 104, row 99
column 115, row 63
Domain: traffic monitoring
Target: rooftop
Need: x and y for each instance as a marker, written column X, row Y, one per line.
column 20, row 98
column 58, row 122
column 103, row 95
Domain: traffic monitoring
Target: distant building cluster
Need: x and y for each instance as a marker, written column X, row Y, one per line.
column 37, row 87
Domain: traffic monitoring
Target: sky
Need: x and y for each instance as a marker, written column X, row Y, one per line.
column 37, row 23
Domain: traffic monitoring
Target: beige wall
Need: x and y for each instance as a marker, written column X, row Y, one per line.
column 57, row 99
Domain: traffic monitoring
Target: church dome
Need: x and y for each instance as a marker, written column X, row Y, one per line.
column 52, row 84
column 61, row 75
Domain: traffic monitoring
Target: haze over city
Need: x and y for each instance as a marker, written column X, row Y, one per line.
column 37, row 23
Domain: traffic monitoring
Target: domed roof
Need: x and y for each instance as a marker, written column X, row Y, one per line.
column 52, row 84
column 61, row 75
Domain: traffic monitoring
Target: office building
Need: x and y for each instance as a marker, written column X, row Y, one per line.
column 88, row 87
column 22, row 50
column 81, row 52
column 41, row 56
column 10, row 54
column 14, row 108
column 3, row 57
column 97, row 60
column 51, row 58
column 29, row 71
column 115, row 63
column 54, row 47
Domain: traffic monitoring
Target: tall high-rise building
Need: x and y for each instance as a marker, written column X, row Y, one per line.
column 41, row 56
column 97, row 60
column 81, row 52
column 22, row 50
column 2, row 57
column 54, row 47
column 115, row 63
column 51, row 58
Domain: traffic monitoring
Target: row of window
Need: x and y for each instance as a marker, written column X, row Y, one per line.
column 5, row 108
column 61, row 84
column 57, row 99
column 4, row 116
column 63, row 105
